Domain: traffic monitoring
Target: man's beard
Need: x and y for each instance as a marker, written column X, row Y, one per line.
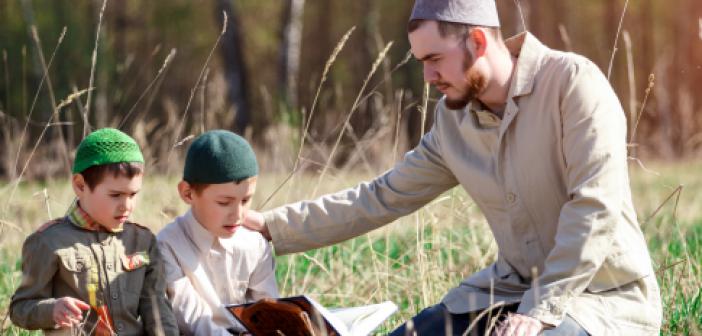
column 476, row 85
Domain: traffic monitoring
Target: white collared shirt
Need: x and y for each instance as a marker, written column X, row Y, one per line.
column 203, row 273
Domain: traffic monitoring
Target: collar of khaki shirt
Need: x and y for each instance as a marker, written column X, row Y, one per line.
column 528, row 50
column 202, row 238
column 78, row 217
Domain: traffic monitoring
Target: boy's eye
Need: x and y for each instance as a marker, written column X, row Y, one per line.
column 245, row 201
column 114, row 195
column 223, row 203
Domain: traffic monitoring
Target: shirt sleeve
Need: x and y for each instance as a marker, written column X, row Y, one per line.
column 420, row 177
column 154, row 307
column 193, row 315
column 262, row 283
column 32, row 304
column 594, row 149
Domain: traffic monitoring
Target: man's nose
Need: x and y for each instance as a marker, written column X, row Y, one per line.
column 430, row 74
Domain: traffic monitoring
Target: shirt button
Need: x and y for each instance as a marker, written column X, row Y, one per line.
column 120, row 326
column 114, row 296
column 511, row 197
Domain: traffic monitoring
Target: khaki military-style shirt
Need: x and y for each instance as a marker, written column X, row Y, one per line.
column 551, row 178
column 59, row 260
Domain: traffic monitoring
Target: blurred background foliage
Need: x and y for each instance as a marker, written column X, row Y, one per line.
column 263, row 75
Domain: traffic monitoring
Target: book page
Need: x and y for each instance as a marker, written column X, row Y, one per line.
column 362, row 320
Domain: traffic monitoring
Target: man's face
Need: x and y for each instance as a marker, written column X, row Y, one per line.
column 220, row 208
column 111, row 201
column 448, row 64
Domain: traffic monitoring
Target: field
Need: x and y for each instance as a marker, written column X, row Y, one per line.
column 413, row 261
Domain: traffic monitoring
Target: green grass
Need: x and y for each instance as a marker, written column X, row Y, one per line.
column 417, row 259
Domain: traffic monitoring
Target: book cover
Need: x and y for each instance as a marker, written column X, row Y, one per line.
column 303, row 316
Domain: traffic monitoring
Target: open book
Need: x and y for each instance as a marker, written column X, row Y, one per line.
column 301, row 315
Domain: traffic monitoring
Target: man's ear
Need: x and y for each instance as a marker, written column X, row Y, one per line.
column 479, row 39
column 79, row 185
column 185, row 192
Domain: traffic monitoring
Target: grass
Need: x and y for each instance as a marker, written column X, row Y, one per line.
column 417, row 259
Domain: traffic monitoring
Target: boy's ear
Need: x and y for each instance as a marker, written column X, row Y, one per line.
column 79, row 185
column 185, row 192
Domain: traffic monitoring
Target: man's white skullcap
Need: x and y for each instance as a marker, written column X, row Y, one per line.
column 472, row 12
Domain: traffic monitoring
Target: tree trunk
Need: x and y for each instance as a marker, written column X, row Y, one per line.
column 290, row 51
column 234, row 67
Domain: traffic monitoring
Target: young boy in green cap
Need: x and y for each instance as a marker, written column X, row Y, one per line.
column 93, row 271
column 211, row 260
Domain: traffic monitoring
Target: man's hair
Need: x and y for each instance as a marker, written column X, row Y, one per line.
column 452, row 28
column 95, row 174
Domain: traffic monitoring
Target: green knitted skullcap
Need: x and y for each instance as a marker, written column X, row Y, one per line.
column 219, row 156
column 105, row 146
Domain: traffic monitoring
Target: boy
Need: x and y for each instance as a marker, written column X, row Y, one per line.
column 92, row 271
column 210, row 259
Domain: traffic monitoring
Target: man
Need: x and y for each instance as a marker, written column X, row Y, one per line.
column 537, row 138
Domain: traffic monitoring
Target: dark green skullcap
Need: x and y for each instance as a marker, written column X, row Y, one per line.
column 219, row 156
column 105, row 146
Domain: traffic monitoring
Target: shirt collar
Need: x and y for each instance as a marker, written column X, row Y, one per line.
column 203, row 239
column 528, row 50
column 78, row 217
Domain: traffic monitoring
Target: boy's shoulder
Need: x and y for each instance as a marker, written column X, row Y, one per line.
column 170, row 231
column 53, row 224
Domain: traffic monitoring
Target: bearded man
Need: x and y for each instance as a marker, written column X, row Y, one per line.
column 537, row 137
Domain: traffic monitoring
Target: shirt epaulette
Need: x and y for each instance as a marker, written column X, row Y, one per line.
column 49, row 223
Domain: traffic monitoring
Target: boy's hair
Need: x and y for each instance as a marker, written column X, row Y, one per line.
column 95, row 174
column 199, row 187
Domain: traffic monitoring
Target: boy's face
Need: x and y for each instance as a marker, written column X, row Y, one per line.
column 111, row 201
column 220, row 208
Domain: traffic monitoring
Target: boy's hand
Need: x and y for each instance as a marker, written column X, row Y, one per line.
column 68, row 311
column 254, row 221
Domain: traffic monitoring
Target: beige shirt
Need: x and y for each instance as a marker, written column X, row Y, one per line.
column 551, row 178
column 203, row 273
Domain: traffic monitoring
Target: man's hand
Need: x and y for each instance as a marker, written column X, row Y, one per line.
column 68, row 311
column 254, row 221
column 519, row 325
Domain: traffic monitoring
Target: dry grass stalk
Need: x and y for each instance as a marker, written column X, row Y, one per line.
column 616, row 39
column 92, row 67
column 197, row 84
column 380, row 57
column 52, row 97
column 425, row 104
column 632, row 79
column 565, row 37
column 337, row 49
column 296, row 166
column 165, row 64
column 36, row 145
column 651, row 83
column 45, row 77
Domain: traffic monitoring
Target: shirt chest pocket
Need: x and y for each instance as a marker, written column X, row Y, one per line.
column 76, row 268
column 134, row 268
